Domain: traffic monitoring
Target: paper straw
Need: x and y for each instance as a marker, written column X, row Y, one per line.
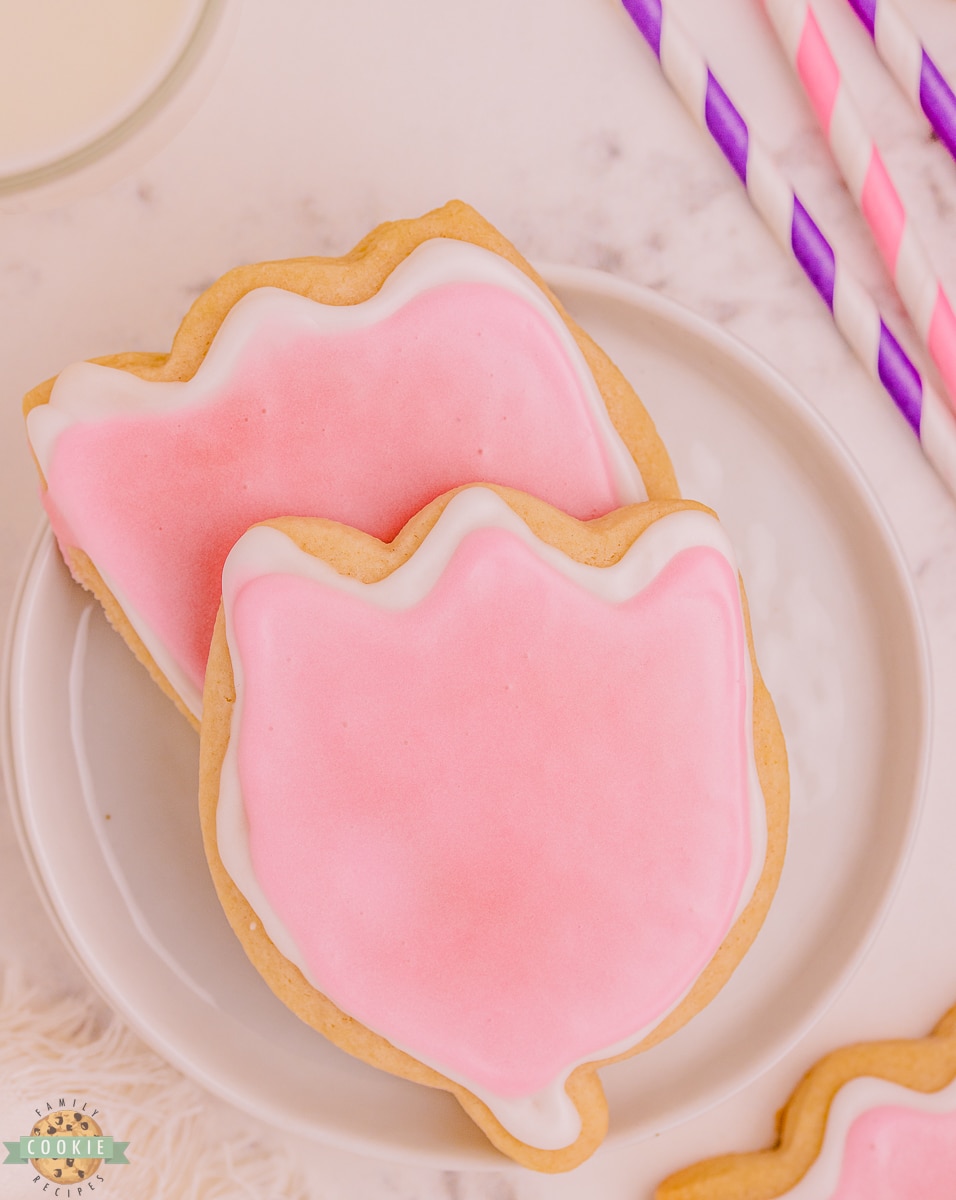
column 854, row 311
column 907, row 61
column 869, row 183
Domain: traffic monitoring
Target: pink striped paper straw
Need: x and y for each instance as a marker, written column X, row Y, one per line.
column 854, row 311
column 869, row 183
column 907, row 61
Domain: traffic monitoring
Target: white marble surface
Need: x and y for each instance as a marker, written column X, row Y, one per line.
column 552, row 120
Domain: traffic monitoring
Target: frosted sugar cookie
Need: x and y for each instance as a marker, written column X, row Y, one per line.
column 873, row 1121
column 357, row 388
column 495, row 802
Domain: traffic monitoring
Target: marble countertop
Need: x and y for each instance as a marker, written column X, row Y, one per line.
column 552, row 120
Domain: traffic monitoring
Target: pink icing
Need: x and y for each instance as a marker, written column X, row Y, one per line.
column 465, row 383
column 507, row 826
column 896, row 1153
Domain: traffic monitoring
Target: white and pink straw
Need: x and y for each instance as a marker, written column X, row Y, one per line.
column 869, row 183
column 854, row 311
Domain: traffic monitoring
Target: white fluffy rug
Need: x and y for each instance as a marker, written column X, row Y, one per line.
column 182, row 1142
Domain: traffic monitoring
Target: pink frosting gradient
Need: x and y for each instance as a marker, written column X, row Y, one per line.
column 508, row 826
column 896, row 1153
column 465, row 383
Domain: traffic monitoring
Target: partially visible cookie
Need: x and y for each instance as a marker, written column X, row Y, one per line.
column 873, row 1121
column 495, row 802
column 357, row 388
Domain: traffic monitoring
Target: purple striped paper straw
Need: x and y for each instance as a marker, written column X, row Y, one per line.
column 907, row 61
column 854, row 311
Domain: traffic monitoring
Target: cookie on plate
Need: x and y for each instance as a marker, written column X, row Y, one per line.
column 357, row 388
column 873, row 1121
column 498, row 801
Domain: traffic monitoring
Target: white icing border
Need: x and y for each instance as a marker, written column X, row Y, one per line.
column 851, row 1102
column 547, row 1119
column 85, row 392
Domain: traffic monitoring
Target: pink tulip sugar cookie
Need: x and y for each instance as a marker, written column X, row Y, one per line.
column 357, row 388
column 498, row 801
column 873, row 1121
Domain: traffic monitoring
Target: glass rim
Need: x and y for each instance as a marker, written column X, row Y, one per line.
column 199, row 41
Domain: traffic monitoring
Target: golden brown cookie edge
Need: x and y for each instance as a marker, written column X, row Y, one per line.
column 921, row 1064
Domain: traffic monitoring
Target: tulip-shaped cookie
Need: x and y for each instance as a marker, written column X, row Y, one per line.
column 873, row 1121
column 358, row 389
column 497, row 801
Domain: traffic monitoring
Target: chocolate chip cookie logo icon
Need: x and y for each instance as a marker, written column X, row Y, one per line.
column 67, row 1148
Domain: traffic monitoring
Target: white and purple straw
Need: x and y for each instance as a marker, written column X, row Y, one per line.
column 855, row 313
column 907, row 61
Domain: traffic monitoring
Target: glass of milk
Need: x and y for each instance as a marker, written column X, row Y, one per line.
column 80, row 78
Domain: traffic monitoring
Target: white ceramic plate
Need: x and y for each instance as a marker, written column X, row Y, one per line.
column 104, row 775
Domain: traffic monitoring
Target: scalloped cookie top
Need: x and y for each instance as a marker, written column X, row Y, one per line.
column 457, row 369
column 870, row 1121
column 883, row 1139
